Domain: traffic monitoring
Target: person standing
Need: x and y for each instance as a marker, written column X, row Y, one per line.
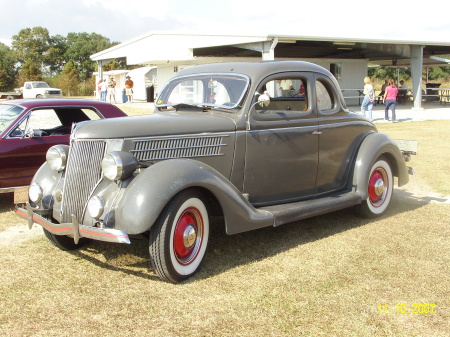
column 390, row 100
column 129, row 88
column 103, row 88
column 383, row 89
column 369, row 98
column 112, row 90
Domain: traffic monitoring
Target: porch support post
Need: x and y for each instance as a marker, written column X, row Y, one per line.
column 416, row 72
column 268, row 54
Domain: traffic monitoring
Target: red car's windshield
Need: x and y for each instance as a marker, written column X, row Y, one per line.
column 8, row 114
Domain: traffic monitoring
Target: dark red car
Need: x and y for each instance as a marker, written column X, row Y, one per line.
column 29, row 127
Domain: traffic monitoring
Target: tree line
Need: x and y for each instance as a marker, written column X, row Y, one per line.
column 430, row 74
column 63, row 62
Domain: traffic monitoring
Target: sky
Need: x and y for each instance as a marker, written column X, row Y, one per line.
column 122, row 20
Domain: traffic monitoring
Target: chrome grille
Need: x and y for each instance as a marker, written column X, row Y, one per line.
column 184, row 147
column 82, row 174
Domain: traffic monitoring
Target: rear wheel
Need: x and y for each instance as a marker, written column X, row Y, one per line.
column 65, row 242
column 179, row 237
column 380, row 187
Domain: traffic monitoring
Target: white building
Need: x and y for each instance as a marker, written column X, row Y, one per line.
column 347, row 59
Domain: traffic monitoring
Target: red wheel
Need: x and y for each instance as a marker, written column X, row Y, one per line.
column 379, row 188
column 179, row 237
column 188, row 236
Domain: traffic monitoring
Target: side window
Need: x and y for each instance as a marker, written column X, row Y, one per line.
column 92, row 115
column 43, row 119
column 324, row 98
column 286, row 94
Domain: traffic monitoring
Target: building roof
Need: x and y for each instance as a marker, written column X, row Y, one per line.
column 161, row 48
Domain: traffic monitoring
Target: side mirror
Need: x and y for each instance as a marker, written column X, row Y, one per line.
column 29, row 133
column 263, row 99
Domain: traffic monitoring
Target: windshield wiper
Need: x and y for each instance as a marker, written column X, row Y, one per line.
column 204, row 107
column 186, row 106
column 180, row 106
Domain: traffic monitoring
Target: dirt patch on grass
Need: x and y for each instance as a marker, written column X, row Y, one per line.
column 18, row 234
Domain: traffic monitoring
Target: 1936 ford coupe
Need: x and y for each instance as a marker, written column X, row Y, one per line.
column 261, row 143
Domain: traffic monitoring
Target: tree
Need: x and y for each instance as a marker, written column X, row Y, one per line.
column 7, row 68
column 69, row 80
column 54, row 56
column 80, row 46
column 29, row 71
column 383, row 73
column 31, row 45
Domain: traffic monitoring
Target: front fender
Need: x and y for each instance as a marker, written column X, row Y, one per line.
column 47, row 179
column 151, row 190
column 372, row 147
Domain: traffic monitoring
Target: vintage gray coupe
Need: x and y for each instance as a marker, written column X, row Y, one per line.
column 260, row 143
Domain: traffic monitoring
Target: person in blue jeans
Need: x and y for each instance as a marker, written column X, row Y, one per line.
column 369, row 98
column 390, row 100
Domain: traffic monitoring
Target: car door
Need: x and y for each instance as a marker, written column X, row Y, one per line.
column 25, row 147
column 341, row 134
column 282, row 142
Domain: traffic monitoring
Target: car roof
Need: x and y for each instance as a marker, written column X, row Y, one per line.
column 254, row 69
column 64, row 102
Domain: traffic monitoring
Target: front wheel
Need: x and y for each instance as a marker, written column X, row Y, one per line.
column 380, row 187
column 179, row 237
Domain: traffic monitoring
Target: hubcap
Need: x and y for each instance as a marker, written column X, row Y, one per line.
column 188, row 236
column 377, row 187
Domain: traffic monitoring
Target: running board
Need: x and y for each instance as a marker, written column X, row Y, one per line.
column 286, row 213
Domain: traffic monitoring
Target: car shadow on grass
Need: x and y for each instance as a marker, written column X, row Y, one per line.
column 226, row 252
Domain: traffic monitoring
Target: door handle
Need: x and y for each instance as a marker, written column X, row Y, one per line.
column 317, row 133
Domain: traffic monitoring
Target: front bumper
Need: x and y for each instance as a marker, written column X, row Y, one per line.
column 73, row 229
column 52, row 96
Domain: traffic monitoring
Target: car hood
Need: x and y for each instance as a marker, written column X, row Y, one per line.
column 157, row 124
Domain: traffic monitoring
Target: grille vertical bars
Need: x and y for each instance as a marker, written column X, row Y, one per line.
column 82, row 174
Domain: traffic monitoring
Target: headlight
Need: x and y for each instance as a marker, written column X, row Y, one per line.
column 119, row 165
column 35, row 192
column 57, row 157
column 95, row 207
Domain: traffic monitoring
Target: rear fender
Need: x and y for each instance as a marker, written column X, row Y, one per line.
column 372, row 147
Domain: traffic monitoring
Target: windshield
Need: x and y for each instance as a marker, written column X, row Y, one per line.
column 40, row 85
column 209, row 90
column 8, row 114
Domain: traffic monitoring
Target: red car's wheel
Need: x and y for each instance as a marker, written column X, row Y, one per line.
column 179, row 237
column 380, row 187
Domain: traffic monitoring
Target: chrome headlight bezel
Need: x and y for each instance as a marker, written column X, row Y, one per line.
column 119, row 165
column 57, row 157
